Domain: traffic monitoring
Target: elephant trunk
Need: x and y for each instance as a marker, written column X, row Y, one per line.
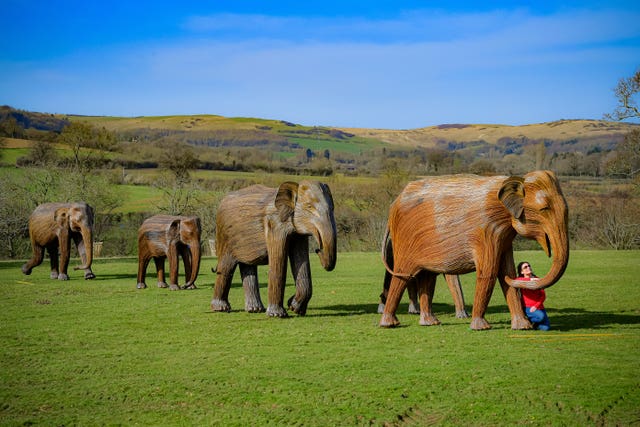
column 327, row 250
column 194, row 251
column 558, row 266
column 87, row 241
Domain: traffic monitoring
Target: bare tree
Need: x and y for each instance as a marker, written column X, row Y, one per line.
column 627, row 92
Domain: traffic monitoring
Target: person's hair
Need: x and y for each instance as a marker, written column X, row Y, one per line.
column 520, row 267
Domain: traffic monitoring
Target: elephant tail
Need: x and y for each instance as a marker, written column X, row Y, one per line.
column 387, row 251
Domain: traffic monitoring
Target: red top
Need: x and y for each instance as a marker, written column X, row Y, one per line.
column 533, row 297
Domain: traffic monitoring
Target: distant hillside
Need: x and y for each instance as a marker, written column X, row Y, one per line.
column 278, row 135
column 561, row 135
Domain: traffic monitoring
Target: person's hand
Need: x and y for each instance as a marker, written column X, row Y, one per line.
column 532, row 309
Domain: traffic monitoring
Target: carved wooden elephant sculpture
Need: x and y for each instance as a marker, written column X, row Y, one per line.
column 166, row 236
column 458, row 224
column 259, row 225
column 53, row 226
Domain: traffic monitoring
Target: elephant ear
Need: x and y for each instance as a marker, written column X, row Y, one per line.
column 511, row 195
column 286, row 199
column 173, row 232
column 61, row 216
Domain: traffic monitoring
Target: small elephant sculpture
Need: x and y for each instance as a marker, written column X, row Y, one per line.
column 461, row 223
column 166, row 236
column 53, row 226
column 453, row 282
column 260, row 225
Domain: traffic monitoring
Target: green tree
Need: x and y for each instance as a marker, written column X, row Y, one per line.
column 180, row 160
column 88, row 144
column 10, row 127
column 15, row 208
column 42, row 154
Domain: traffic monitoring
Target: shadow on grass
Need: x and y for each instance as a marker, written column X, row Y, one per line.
column 566, row 319
column 360, row 309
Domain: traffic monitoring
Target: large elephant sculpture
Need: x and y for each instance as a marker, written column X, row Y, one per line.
column 164, row 237
column 53, row 226
column 453, row 282
column 462, row 223
column 260, row 225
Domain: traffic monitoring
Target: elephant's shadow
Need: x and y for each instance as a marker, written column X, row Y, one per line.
column 571, row 318
column 565, row 319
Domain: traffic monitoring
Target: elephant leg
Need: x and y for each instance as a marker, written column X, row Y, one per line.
column 396, row 289
column 36, row 259
column 426, row 284
column 65, row 253
column 519, row 319
column 143, row 263
column 188, row 269
column 252, row 301
column 412, row 290
column 224, row 273
column 385, row 292
column 174, row 266
column 276, row 248
column 453, row 281
column 484, row 288
column 159, row 262
column 301, row 270
column 80, row 245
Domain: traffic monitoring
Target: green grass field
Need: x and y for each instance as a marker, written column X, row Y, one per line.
column 102, row 352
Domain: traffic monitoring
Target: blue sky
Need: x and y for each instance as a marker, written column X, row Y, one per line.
column 377, row 64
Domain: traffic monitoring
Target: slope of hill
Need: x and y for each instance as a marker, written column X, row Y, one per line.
column 279, row 135
column 559, row 131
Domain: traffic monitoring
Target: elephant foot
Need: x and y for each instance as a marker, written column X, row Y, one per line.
column 141, row 285
column 479, row 324
column 389, row 321
column 462, row 314
column 162, row 285
column 520, row 323
column 254, row 307
column 63, row 276
column 220, row 305
column 190, row 286
column 26, row 271
column 276, row 311
column 88, row 275
column 297, row 307
column 413, row 309
column 428, row 320
column 174, row 287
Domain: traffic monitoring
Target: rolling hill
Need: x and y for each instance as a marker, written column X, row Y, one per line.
column 217, row 131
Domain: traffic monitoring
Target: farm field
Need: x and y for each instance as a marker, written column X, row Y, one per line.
column 102, row 352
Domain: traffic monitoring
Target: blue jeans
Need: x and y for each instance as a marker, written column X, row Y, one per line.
column 539, row 319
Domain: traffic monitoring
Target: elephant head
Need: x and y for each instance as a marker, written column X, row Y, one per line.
column 187, row 230
column 539, row 212
column 309, row 204
column 78, row 218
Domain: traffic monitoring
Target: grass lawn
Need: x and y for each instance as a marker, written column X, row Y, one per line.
column 102, row 352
